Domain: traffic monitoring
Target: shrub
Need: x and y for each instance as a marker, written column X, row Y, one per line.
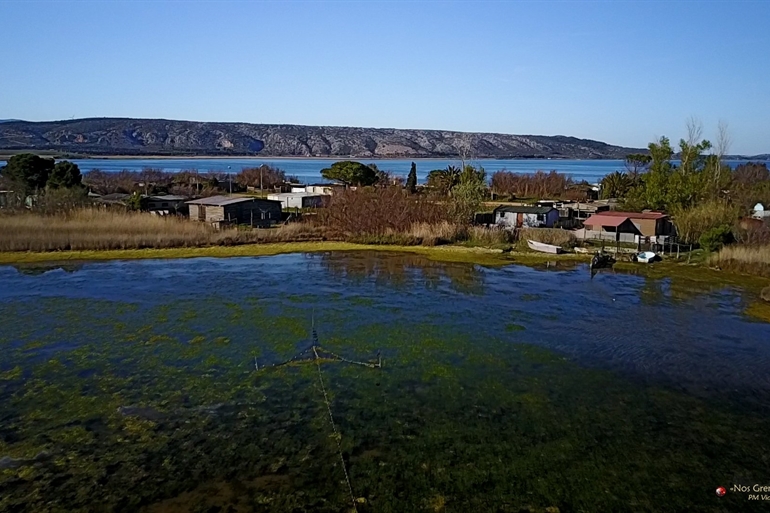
column 379, row 211
column 692, row 223
column 715, row 238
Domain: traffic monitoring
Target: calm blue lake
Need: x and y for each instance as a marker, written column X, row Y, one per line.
column 309, row 170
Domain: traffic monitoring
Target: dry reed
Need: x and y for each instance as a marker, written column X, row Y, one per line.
column 102, row 229
column 554, row 236
column 744, row 259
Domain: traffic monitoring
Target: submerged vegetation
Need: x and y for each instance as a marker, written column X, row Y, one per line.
column 148, row 401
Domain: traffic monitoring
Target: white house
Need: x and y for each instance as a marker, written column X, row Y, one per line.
column 299, row 199
column 525, row 216
column 759, row 212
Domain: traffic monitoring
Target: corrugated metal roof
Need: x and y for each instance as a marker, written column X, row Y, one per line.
column 524, row 209
column 168, row 197
column 635, row 215
column 219, row 201
column 605, row 220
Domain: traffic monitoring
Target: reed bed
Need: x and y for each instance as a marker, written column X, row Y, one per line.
column 744, row 259
column 100, row 229
column 554, row 236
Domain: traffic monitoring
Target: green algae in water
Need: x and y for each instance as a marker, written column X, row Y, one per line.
column 457, row 419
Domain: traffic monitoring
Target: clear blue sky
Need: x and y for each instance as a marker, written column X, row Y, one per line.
column 622, row 72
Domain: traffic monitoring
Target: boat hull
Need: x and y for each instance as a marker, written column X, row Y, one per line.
column 544, row 248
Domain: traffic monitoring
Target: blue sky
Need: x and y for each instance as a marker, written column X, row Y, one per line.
column 618, row 71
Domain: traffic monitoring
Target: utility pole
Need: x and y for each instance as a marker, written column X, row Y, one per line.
column 230, row 179
column 261, row 193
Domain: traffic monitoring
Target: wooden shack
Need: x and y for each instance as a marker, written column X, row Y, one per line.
column 233, row 210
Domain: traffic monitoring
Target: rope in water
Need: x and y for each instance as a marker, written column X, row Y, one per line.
column 337, row 436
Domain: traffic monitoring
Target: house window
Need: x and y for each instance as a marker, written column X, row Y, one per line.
column 164, row 204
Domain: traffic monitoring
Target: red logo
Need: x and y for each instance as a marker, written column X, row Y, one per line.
column 721, row 491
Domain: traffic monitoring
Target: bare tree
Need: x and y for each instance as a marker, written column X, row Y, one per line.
column 721, row 148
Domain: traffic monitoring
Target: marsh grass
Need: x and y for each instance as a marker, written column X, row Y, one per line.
column 553, row 236
column 744, row 259
column 101, row 229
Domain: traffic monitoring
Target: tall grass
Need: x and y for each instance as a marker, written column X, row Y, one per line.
column 99, row 229
column 555, row 236
column 744, row 259
column 694, row 222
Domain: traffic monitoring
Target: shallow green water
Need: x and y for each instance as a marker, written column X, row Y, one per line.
column 131, row 386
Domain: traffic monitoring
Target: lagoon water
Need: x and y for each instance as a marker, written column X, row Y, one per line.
column 130, row 386
column 309, row 170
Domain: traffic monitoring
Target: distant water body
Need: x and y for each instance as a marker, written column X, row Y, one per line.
column 309, row 170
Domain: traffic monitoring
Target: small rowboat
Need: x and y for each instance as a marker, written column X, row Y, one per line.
column 543, row 248
column 647, row 257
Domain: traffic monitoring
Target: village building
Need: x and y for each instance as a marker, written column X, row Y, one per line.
column 165, row 204
column 525, row 216
column 627, row 226
column 299, row 199
column 232, row 210
column 760, row 212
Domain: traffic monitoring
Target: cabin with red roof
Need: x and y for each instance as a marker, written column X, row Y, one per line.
column 644, row 224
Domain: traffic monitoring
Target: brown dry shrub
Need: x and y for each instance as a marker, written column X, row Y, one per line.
column 379, row 212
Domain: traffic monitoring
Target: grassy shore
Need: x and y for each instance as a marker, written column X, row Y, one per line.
column 448, row 253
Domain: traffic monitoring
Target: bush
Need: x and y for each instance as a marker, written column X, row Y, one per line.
column 692, row 223
column 379, row 211
column 716, row 238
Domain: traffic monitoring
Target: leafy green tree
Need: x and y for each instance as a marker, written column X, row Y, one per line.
column 468, row 195
column 350, row 173
column 411, row 179
column 637, row 164
column 64, row 175
column 134, row 202
column 28, row 171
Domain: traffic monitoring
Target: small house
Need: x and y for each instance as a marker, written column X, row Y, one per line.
column 649, row 224
column 760, row 212
column 232, row 210
column 299, row 199
column 165, row 204
column 526, row 216
column 605, row 227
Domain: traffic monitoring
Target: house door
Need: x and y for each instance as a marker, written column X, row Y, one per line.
column 201, row 212
column 519, row 220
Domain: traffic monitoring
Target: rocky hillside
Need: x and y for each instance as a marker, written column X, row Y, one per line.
column 123, row 136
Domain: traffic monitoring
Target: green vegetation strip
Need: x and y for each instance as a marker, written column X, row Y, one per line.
column 483, row 256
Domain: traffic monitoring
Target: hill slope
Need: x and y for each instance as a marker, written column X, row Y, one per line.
column 126, row 136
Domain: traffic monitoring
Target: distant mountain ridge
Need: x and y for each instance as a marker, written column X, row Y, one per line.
column 127, row 136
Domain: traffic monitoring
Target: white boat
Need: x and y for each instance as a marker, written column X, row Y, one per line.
column 543, row 248
column 647, row 257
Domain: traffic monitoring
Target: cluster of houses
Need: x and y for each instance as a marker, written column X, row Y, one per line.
column 591, row 220
column 223, row 210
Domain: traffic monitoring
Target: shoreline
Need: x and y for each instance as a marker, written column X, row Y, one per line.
column 446, row 253
column 5, row 156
